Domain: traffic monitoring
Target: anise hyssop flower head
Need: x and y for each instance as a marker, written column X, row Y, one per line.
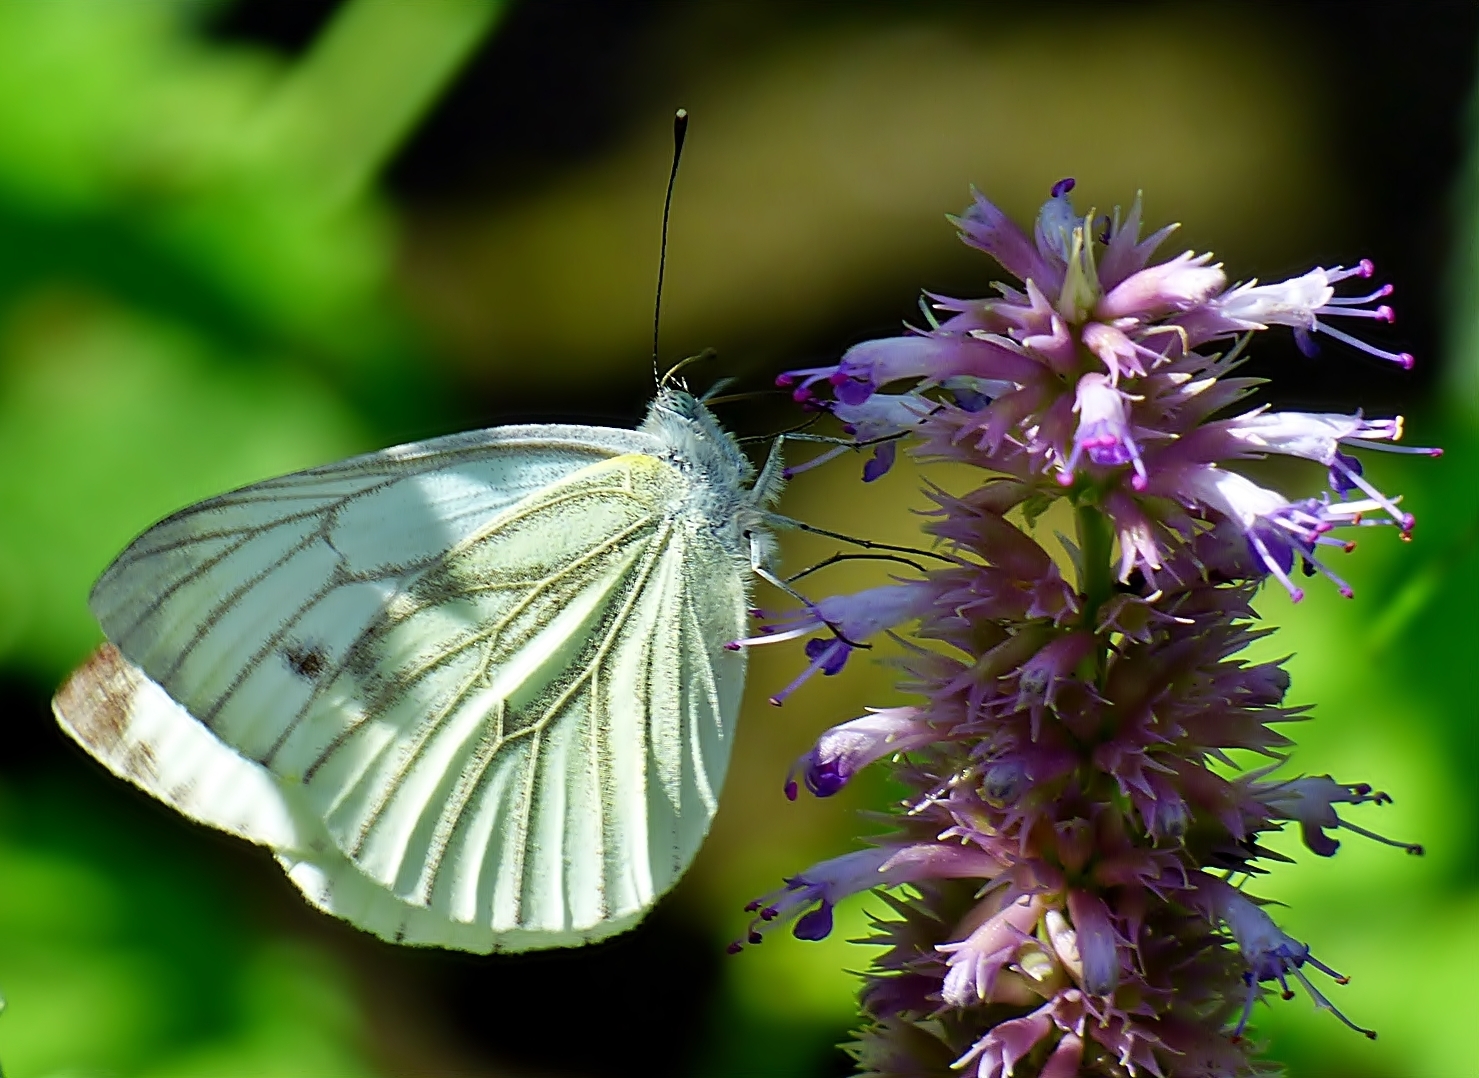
column 1066, row 879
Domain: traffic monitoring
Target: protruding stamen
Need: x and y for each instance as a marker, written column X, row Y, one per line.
column 1387, row 447
column 826, row 659
column 1416, row 849
column 1363, row 268
column 1296, row 593
column 1355, row 301
column 1381, row 314
column 1321, row 1003
column 1405, row 521
column 1402, row 359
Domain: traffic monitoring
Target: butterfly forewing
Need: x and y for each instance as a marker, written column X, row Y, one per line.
column 373, row 519
column 513, row 715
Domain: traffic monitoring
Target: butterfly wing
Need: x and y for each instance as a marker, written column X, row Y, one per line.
column 111, row 708
column 511, row 725
column 127, row 722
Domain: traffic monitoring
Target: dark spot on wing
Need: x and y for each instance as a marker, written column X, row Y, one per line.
column 308, row 661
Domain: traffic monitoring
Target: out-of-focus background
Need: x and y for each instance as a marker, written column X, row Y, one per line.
column 238, row 238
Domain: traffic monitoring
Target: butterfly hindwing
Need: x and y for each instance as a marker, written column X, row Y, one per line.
column 111, row 708
column 512, row 714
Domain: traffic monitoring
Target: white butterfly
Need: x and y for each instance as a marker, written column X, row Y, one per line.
column 472, row 692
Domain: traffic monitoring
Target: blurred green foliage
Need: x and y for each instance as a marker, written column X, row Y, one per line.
column 116, row 963
column 201, row 285
column 189, row 250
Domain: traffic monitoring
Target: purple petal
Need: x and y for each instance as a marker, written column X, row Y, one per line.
column 825, row 778
column 816, row 925
column 882, row 460
column 854, row 390
column 986, row 228
column 1096, row 941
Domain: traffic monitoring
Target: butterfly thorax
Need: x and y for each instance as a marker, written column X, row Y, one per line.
column 723, row 496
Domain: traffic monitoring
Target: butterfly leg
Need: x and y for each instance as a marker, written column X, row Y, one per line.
column 758, row 566
column 839, row 557
column 776, row 520
column 839, row 447
column 773, row 475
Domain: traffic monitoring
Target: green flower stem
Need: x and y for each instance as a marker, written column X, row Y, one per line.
column 1096, row 575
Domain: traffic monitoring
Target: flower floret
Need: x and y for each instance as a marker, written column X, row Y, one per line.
column 850, row 619
column 1270, row 954
column 1280, row 532
column 1311, row 803
column 846, row 749
column 1298, row 303
column 825, row 884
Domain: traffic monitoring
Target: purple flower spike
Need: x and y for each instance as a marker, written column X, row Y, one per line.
column 1072, row 808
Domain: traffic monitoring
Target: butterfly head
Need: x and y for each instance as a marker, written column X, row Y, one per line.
column 696, row 438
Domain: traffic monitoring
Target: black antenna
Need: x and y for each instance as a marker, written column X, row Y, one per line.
column 680, row 131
